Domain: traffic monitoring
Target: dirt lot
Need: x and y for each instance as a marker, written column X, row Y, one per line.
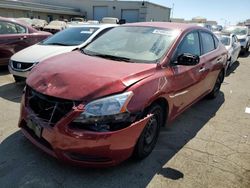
column 208, row 146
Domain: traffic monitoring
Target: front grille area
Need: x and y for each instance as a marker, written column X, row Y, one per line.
column 42, row 141
column 21, row 65
column 49, row 109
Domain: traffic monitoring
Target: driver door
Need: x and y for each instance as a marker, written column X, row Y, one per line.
column 187, row 80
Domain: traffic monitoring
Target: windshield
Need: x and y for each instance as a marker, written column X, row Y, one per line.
column 225, row 40
column 71, row 37
column 140, row 44
column 236, row 30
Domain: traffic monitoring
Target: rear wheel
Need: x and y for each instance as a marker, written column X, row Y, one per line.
column 149, row 135
column 216, row 90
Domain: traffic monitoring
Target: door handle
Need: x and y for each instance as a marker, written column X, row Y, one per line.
column 202, row 69
column 23, row 38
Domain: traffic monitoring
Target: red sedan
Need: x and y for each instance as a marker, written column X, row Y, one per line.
column 102, row 104
column 15, row 36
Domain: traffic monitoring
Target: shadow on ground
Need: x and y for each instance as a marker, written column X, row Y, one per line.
column 23, row 165
column 12, row 91
column 4, row 70
column 245, row 55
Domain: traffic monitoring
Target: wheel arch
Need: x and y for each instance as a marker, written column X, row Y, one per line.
column 163, row 102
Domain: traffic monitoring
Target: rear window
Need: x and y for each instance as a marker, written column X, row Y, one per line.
column 71, row 37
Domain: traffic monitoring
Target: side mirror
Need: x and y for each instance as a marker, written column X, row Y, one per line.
column 187, row 59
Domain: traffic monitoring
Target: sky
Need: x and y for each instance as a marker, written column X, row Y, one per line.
column 227, row 12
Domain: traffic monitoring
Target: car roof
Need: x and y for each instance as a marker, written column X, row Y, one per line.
column 166, row 25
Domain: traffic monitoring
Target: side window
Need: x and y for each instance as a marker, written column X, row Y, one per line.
column 216, row 41
column 8, row 28
column 190, row 44
column 207, row 42
column 11, row 28
column 20, row 29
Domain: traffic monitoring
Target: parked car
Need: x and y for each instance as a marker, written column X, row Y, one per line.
column 107, row 102
column 55, row 26
column 39, row 24
column 216, row 28
column 232, row 45
column 93, row 22
column 77, row 19
column 68, row 40
column 110, row 20
column 27, row 21
column 15, row 36
column 242, row 34
column 208, row 26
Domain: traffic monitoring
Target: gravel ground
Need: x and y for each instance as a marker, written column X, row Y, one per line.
column 207, row 146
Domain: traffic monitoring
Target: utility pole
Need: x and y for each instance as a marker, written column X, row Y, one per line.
column 172, row 12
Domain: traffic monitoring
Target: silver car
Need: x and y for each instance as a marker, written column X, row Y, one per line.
column 242, row 34
column 232, row 45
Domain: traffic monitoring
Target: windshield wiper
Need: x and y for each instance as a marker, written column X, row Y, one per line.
column 116, row 58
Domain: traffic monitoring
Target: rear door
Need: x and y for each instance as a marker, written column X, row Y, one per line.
column 13, row 38
column 187, row 80
column 212, row 58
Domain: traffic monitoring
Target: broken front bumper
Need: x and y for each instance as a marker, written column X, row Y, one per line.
column 81, row 147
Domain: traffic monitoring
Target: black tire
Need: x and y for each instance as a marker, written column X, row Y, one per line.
column 149, row 135
column 18, row 79
column 216, row 90
column 245, row 50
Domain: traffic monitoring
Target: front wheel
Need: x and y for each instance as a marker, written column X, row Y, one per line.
column 216, row 90
column 149, row 135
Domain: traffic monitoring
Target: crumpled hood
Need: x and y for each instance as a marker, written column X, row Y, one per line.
column 76, row 76
column 37, row 53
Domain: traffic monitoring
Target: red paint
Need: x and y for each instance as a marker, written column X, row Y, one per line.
column 77, row 76
column 12, row 43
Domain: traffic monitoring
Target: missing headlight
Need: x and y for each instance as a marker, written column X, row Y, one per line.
column 105, row 123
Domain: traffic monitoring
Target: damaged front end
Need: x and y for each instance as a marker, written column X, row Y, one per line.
column 92, row 132
column 108, row 114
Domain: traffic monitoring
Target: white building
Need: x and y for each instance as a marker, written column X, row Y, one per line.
column 131, row 11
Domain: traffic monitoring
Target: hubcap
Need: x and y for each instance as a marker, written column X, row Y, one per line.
column 151, row 131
